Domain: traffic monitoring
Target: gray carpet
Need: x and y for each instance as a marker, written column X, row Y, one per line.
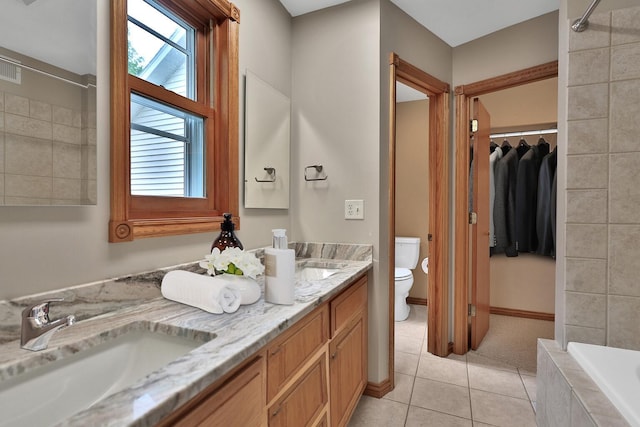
column 512, row 340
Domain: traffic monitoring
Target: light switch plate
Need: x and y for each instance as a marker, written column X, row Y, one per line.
column 354, row 209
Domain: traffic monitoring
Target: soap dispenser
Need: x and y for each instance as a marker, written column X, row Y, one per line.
column 280, row 265
column 226, row 238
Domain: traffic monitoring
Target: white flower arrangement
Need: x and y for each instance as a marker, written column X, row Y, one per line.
column 232, row 261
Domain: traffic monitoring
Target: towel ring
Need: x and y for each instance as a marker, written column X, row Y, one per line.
column 272, row 173
column 318, row 169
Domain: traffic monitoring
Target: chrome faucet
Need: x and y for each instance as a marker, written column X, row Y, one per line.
column 37, row 329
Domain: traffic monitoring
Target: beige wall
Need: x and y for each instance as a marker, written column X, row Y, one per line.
column 53, row 247
column 412, row 182
column 598, row 281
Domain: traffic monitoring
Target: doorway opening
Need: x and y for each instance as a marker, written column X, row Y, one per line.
column 464, row 270
column 438, row 203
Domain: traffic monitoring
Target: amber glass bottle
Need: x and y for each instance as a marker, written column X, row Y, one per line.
column 227, row 238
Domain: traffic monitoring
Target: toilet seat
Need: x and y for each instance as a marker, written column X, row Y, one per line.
column 402, row 274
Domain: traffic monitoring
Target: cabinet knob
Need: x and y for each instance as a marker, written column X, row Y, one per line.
column 276, row 412
column 276, row 351
column 334, row 355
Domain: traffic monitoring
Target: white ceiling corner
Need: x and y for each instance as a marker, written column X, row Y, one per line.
column 454, row 21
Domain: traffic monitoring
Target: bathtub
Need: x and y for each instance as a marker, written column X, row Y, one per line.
column 616, row 371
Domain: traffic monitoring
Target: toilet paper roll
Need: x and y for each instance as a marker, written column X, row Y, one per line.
column 425, row 265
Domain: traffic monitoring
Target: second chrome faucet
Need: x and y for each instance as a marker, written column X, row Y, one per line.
column 37, row 328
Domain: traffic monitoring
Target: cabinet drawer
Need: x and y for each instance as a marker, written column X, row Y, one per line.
column 348, row 304
column 305, row 400
column 239, row 402
column 291, row 351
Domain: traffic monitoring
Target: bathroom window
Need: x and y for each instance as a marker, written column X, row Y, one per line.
column 174, row 116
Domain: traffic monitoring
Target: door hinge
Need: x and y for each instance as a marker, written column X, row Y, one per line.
column 473, row 218
column 473, row 126
column 430, row 237
column 472, row 310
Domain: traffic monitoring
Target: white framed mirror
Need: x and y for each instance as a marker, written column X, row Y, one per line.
column 48, row 102
column 267, row 142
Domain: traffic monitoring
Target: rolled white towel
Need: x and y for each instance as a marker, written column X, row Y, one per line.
column 200, row 291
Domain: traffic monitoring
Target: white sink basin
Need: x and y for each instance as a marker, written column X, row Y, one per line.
column 53, row 392
column 314, row 273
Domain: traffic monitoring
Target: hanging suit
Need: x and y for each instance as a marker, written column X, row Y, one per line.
column 494, row 157
column 544, row 222
column 504, row 209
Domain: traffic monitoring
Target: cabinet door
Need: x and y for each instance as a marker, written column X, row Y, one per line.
column 239, row 402
column 305, row 400
column 348, row 369
column 296, row 347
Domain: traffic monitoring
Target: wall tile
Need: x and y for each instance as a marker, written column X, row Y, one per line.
column 62, row 115
column 40, row 110
column 586, row 275
column 15, row 104
column 624, row 126
column 624, row 252
column 66, row 189
column 597, row 35
column 24, row 186
column 17, row 201
column 27, row 156
column 68, row 134
column 597, row 336
column 1, row 188
column 2, row 150
column 625, row 62
column 26, row 126
column 624, row 193
column 587, row 206
column 587, row 171
column 586, row 241
column 588, row 102
column 66, row 161
column 586, row 309
column 589, row 66
column 624, row 322
column 1, row 121
column 626, row 26
column 553, row 393
column 1, row 101
column 588, row 136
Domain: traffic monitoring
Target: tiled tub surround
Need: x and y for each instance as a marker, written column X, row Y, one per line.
column 566, row 395
column 602, row 291
column 111, row 308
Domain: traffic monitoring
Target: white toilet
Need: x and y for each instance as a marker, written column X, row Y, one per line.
column 407, row 254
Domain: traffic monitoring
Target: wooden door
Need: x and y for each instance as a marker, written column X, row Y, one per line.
column 480, row 230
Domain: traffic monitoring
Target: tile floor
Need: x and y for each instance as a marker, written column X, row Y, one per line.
column 469, row 390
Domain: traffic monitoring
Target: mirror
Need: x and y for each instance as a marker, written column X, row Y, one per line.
column 48, row 102
column 266, row 146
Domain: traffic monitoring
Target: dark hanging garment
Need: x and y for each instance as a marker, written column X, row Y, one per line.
column 522, row 148
column 554, row 194
column 543, row 213
column 504, row 209
column 527, row 201
column 543, row 149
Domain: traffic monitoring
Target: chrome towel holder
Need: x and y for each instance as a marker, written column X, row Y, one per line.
column 318, row 177
column 579, row 25
column 272, row 174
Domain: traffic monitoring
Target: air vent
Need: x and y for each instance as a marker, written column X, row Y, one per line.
column 10, row 71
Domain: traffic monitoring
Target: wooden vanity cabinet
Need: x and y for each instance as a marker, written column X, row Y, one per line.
column 313, row 374
column 348, row 352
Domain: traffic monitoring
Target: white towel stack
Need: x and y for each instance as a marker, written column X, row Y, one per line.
column 200, row 291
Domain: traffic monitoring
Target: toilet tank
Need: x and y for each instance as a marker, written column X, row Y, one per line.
column 407, row 252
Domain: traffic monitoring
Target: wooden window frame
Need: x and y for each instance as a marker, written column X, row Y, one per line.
column 134, row 217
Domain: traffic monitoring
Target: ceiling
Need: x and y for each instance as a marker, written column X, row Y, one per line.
column 454, row 21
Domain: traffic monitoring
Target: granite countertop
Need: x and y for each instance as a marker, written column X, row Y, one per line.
column 115, row 307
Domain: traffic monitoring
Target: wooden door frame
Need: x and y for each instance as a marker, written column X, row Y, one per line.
column 438, row 278
column 463, row 95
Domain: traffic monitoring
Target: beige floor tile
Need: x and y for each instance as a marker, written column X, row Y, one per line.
column 476, row 359
column 417, row 313
column 406, row 363
column 411, row 329
column 402, row 391
column 530, row 386
column 406, row 344
column 501, row 411
column 442, row 397
column 372, row 412
column 420, row 417
column 448, row 370
column 496, row 381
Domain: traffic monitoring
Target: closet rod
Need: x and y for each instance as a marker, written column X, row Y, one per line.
column 579, row 25
column 524, row 133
